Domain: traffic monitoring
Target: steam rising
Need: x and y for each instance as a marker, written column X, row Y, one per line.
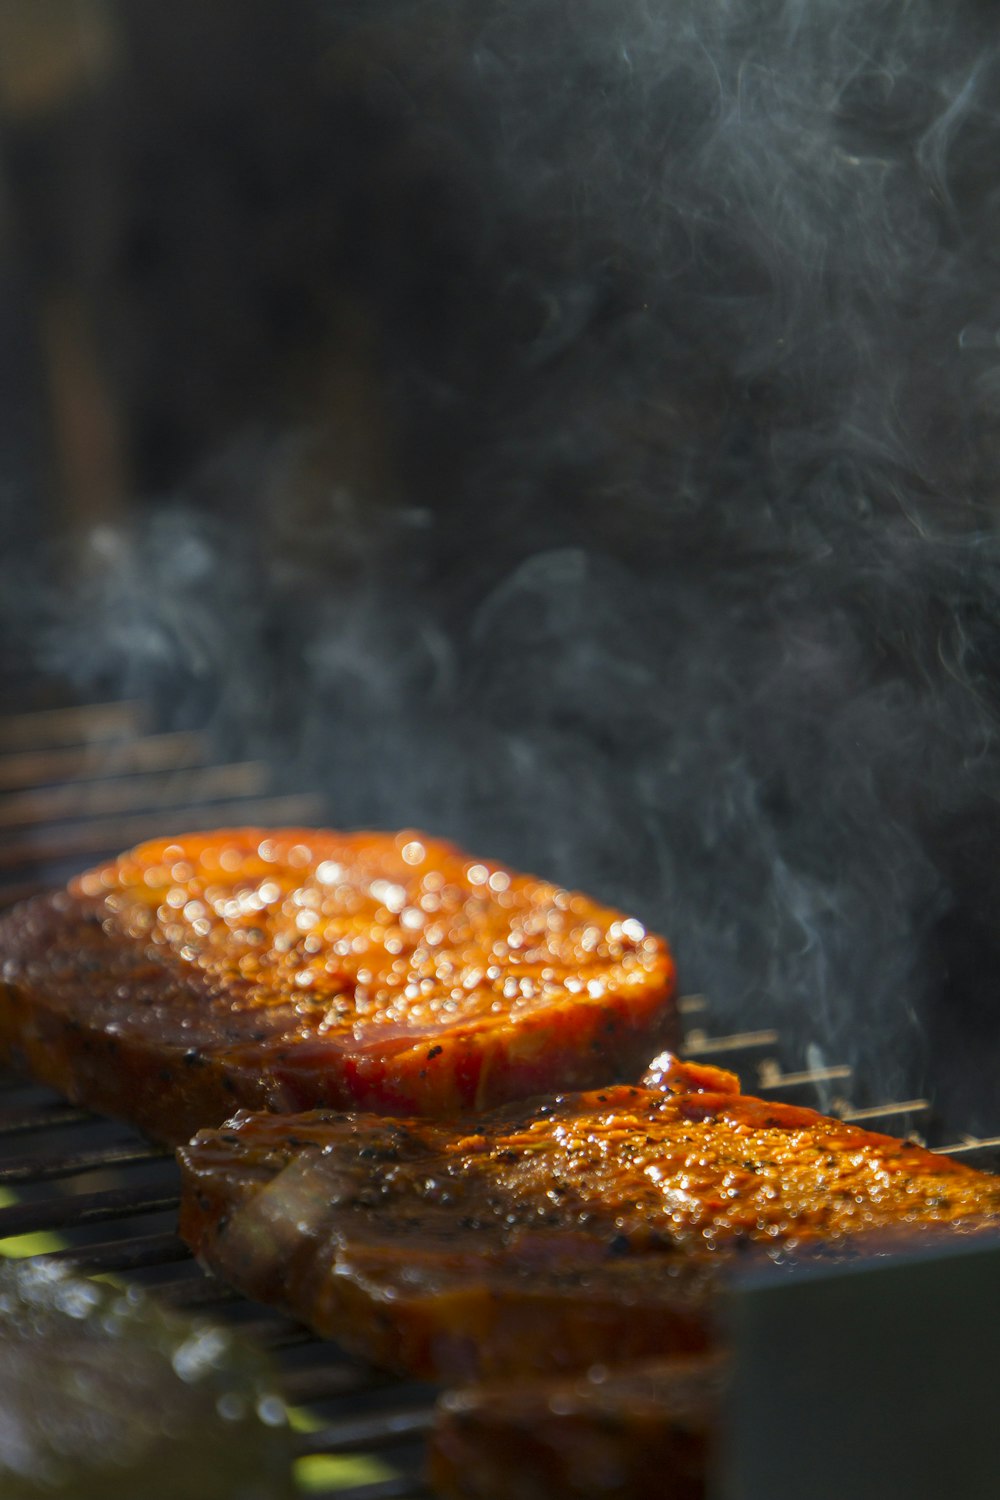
column 660, row 555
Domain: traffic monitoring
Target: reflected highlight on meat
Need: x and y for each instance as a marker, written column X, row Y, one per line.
column 299, row 967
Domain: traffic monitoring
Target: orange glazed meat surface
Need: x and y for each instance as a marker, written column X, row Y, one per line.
column 423, row 1243
column 289, row 968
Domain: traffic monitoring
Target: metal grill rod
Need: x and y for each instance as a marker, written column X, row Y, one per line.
column 85, row 1208
column 379, row 1431
column 698, row 1044
column 79, row 724
column 142, row 792
column 154, row 752
column 31, row 1169
column 125, row 1254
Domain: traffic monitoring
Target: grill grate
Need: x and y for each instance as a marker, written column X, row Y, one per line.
column 82, row 783
column 87, row 782
column 112, row 1207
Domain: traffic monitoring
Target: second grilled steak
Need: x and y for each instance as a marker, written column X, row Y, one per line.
column 553, row 1234
column 289, row 968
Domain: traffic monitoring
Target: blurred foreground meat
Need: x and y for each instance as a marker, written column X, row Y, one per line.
column 550, row 1235
column 292, row 968
column 638, row 1434
column 105, row 1396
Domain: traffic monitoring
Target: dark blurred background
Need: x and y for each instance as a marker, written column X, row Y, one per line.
column 569, row 428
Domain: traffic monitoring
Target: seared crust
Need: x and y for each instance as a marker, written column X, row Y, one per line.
column 285, row 969
column 593, row 1224
column 635, row 1434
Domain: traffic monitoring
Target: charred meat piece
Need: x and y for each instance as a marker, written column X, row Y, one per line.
column 439, row 1316
column 287, row 969
column 635, row 1434
column 544, row 1235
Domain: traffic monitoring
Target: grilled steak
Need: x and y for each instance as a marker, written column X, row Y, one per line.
column 295, row 968
column 636, row 1434
column 553, row 1234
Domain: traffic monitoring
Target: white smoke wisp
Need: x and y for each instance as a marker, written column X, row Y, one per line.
column 686, row 584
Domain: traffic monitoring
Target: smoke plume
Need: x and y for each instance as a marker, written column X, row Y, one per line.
column 573, row 429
